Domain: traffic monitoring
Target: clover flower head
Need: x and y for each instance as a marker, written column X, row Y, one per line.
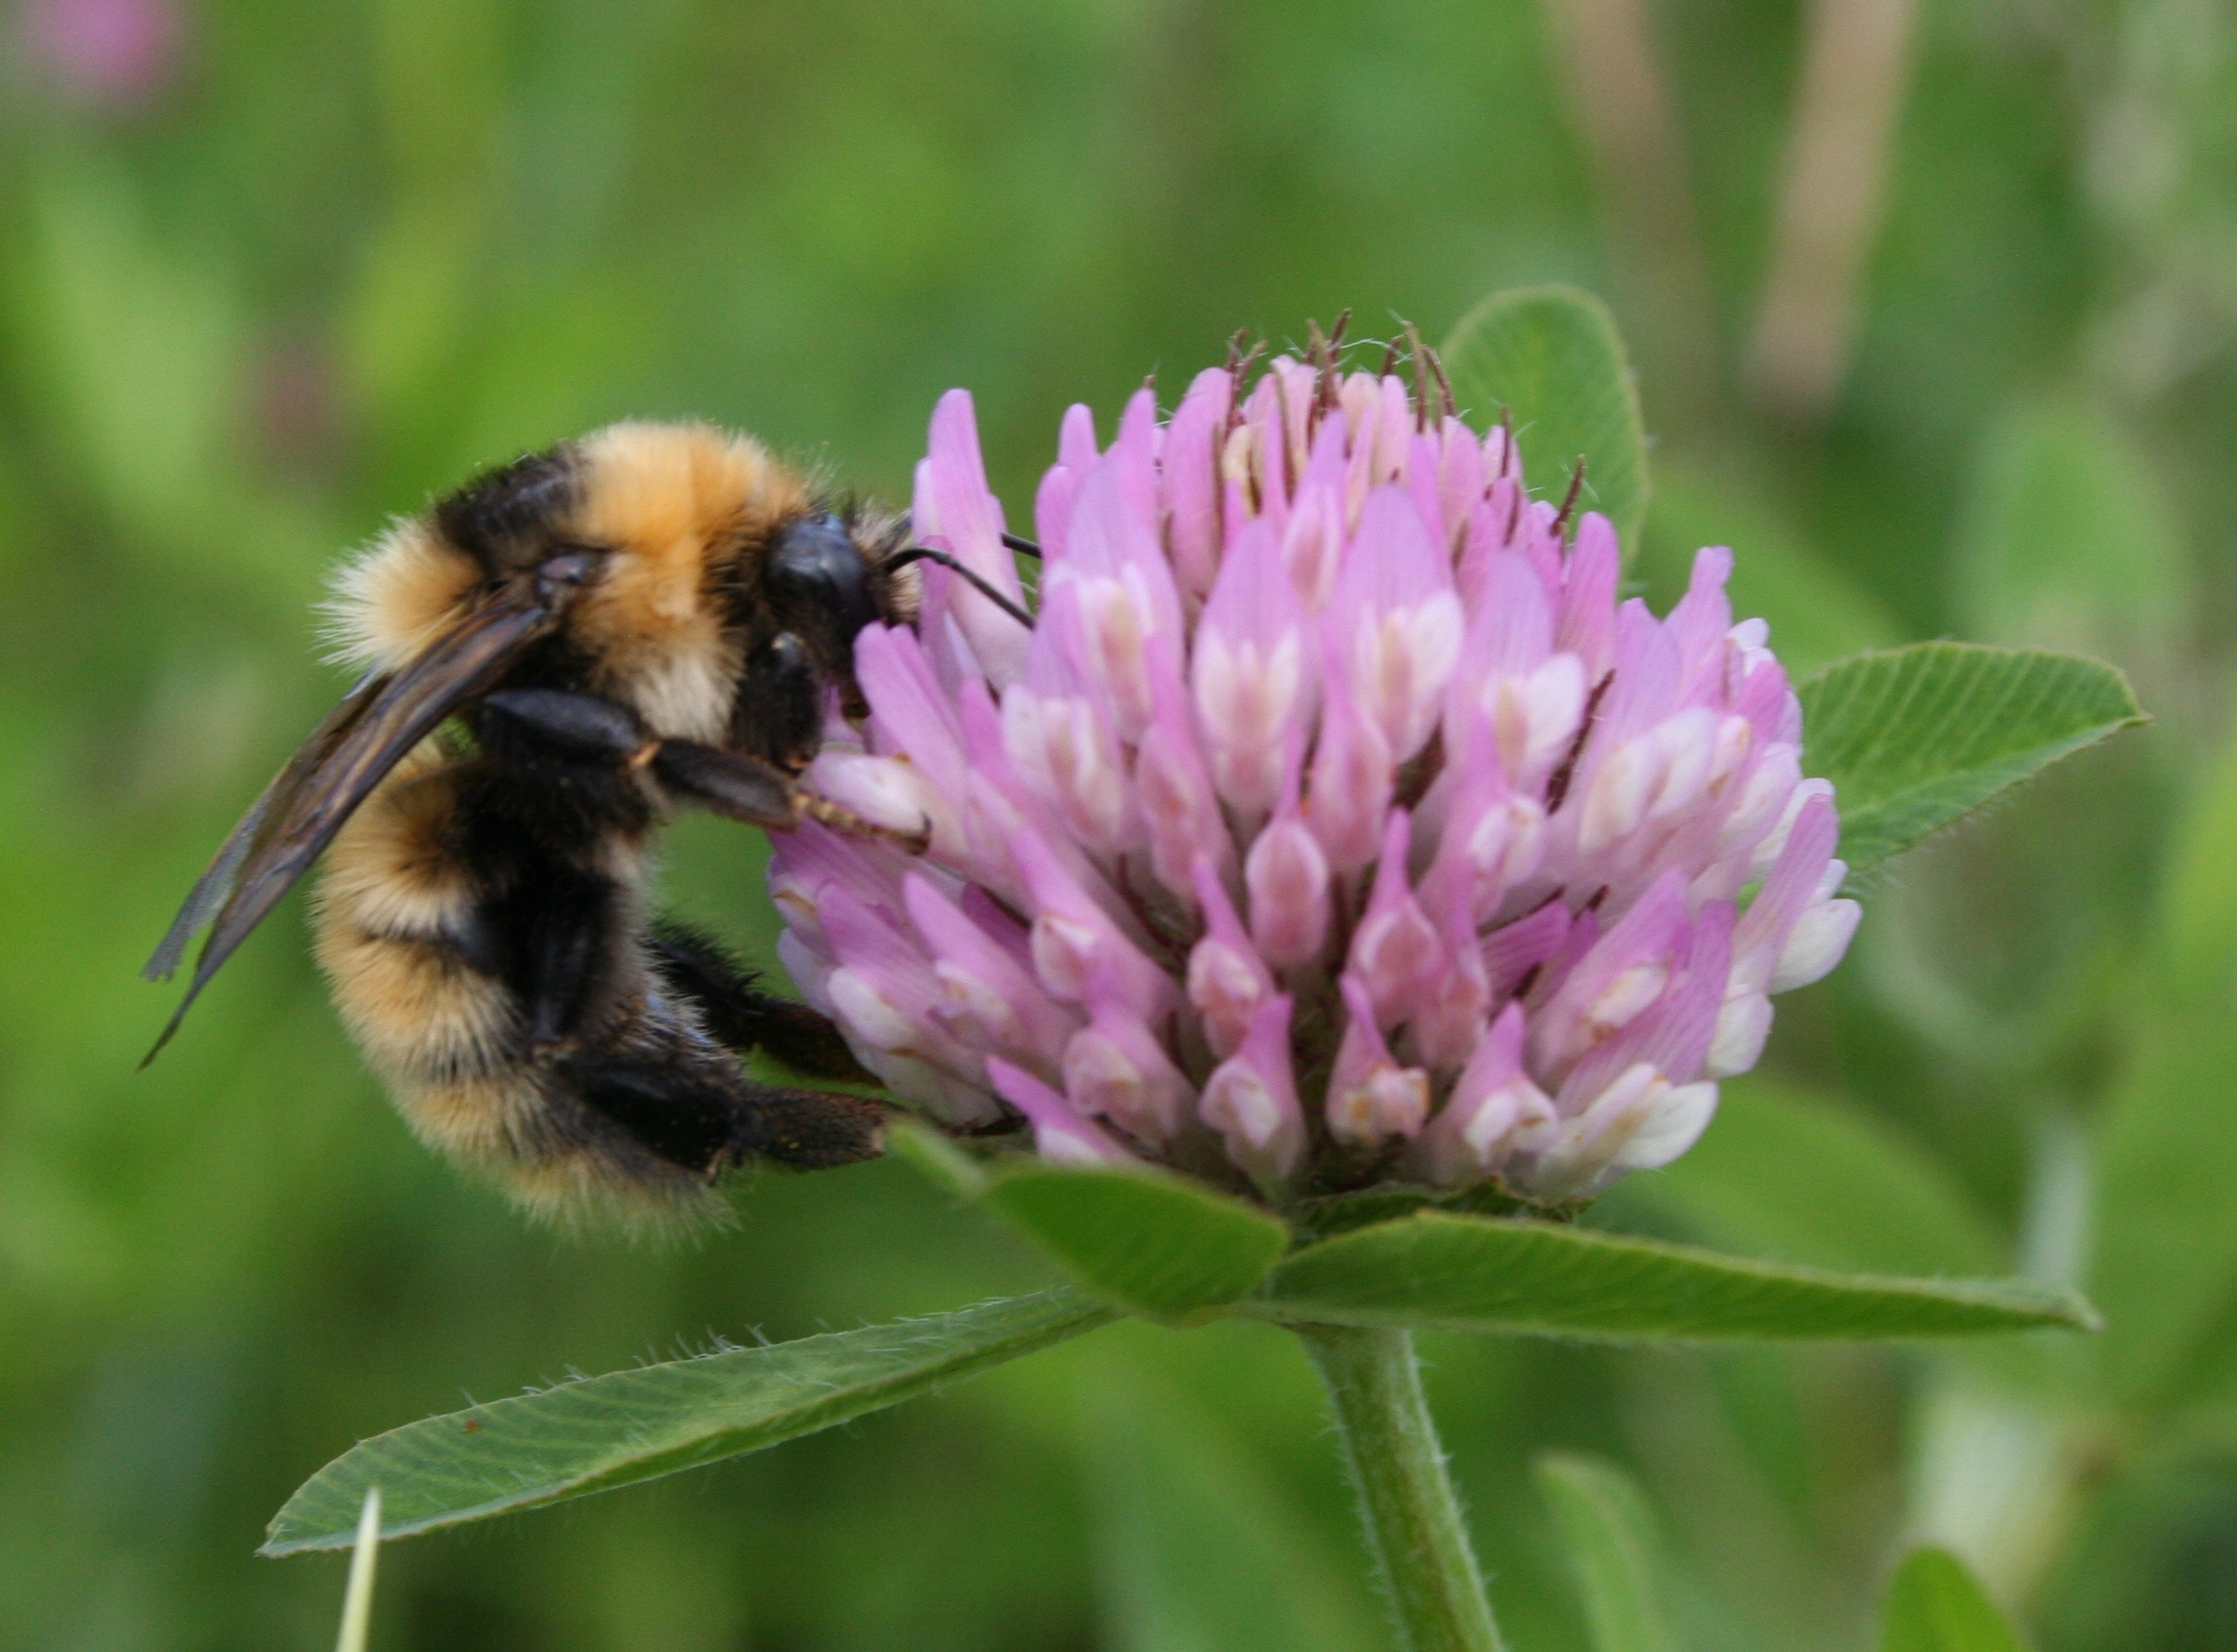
column 1333, row 822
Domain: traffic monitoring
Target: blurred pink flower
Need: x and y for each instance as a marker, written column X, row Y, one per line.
column 1333, row 822
column 117, row 54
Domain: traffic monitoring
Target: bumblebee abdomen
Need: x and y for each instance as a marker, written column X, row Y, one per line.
column 417, row 1012
column 392, row 909
column 505, row 998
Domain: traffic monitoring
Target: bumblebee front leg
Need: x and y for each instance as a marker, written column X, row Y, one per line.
column 779, row 714
column 558, row 726
column 759, row 794
column 779, row 717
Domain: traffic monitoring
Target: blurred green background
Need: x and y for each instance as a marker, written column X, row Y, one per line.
column 1934, row 303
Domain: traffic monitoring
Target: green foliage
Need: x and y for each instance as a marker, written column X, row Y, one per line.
column 2067, row 540
column 2196, row 924
column 1915, row 737
column 1799, row 1177
column 1471, row 1273
column 1551, row 357
column 601, row 1432
column 1936, row 1605
column 1787, row 1177
column 1145, row 1242
column 1614, row 1548
column 2167, row 1256
column 1142, row 1239
column 1155, row 1245
column 1198, row 1549
column 2166, row 1252
column 138, row 345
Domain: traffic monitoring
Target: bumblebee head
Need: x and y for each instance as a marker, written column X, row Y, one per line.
column 687, row 547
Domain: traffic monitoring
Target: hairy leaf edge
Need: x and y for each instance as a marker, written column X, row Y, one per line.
column 1084, row 1315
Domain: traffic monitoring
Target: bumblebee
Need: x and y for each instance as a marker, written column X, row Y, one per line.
column 557, row 657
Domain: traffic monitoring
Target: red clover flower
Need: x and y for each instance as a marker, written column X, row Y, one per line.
column 1332, row 823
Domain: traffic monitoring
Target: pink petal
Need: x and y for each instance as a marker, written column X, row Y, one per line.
column 1287, row 878
column 1371, row 1097
column 956, row 512
column 1059, row 1134
column 1251, row 1098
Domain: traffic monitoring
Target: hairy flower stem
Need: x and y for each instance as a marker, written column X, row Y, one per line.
column 1407, row 1502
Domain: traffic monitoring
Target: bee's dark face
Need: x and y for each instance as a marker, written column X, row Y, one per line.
column 817, row 584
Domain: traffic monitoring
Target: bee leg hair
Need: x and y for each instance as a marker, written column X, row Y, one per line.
column 841, row 819
column 814, row 1130
column 688, row 1119
column 736, row 1010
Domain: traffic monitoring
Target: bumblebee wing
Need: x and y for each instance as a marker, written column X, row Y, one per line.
column 211, row 888
column 337, row 768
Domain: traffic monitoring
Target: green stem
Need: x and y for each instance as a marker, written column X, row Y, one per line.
column 1413, row 1519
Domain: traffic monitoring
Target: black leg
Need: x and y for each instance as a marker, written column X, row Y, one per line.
column 555, row 725
column 779, row 709
column 746, row 789
column 541, row 728
column 555, row 934
column 589, row 744
column 742, row 1016
column 812, row 1130
column 729, row 783
column 703, row 1125
column 686, row 1118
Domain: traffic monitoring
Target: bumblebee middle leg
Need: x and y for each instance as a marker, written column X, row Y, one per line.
column 737, row 1012
column 611, row 1023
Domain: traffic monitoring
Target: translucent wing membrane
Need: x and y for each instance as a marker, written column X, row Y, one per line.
column 348, row 754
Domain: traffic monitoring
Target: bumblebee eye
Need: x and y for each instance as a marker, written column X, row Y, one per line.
column 815, row 575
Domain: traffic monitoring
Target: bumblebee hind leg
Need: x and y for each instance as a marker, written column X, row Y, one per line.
column 700, row 1120
column 680, row 1116
column 815, row 1129
column 808, row 1130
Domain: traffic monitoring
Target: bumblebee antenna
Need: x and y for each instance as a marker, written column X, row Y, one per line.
column 925, row 553
column 1023, row 547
